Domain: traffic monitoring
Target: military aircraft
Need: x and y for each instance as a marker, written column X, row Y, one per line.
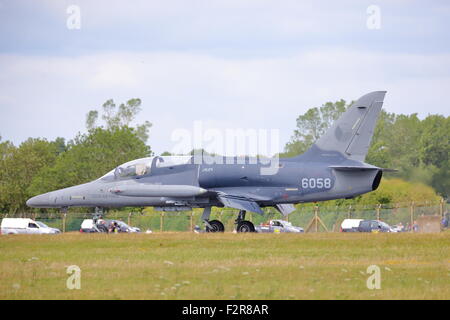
column 333, row 168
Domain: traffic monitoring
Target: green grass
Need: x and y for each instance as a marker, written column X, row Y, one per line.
column 225, row 266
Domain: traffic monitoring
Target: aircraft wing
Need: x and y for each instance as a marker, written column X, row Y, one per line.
column 285, row 208
column 240, row 203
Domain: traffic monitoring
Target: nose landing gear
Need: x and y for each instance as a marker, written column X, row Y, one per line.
column 213, row 225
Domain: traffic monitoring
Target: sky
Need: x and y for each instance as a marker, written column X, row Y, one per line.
column 231, row 64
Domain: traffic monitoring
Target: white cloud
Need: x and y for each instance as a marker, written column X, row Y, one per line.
column 112, row 74
column 50, row 96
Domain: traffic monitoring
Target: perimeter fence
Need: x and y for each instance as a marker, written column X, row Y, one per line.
column 311, row 217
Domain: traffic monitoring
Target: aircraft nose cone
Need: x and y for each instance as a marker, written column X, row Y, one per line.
column 39, row 201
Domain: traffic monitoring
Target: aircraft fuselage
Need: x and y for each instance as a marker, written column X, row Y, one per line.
column 196, row 185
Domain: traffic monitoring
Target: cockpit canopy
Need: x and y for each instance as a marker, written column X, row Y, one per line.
column 133, row 169
column 143, row 166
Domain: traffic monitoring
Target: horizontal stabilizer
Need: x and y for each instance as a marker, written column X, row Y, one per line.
column 353, row 168
column 389, row 170
column 285, row 208
column 361, row 168
column 240, row 203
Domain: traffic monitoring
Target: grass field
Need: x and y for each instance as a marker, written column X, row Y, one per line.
column 225, row 266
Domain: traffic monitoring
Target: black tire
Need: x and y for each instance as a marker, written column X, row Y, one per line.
column 245, row 226
column 216, row 226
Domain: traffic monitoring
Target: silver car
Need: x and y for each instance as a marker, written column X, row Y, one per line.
column 278, row 226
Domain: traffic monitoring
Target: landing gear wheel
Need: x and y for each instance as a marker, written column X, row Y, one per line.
column 216, row 226
column 245, row 226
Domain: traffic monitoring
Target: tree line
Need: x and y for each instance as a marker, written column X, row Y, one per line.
column 419, row 149
column 37, row 166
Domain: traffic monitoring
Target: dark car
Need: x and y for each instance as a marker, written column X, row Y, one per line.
column 374, row 226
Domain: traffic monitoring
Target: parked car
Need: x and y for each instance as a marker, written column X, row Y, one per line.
column 25, row 226
column 374, row 226
column 123, row 227
column 398, row 228
column 350, row 225
column 278, row 226
column 89, row 226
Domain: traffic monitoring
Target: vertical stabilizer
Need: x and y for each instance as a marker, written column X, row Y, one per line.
column 352, row 133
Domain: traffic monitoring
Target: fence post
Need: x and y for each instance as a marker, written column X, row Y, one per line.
column 64, row 222
column 316, row 226
column 129, row 218
column 378, row 211
column 192, row 221
column 350, row 211
column 161, row 222
column 411, row 210
column 441, row 208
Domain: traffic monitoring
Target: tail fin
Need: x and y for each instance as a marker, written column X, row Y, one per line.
column 351, row 134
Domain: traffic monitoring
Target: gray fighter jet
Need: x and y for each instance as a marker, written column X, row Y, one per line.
column 333, row 168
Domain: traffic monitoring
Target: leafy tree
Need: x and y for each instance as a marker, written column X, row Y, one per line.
column 441, row 179
column 393, row 191
column 6, row 151
column 90, row 156
column 60, row 145
column 142, row 131
column 434, row 146
column 91, row 119
column 121, row 116
column 434, row 142
column 379, row 151
column 312, row 125
column 419, row 149
column 18, row 166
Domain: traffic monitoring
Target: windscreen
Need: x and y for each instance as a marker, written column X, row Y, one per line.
column 134, row 168
column 43, row 225
column 142, row 167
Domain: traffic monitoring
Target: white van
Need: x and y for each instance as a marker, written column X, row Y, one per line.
column 350, row 225
column 25, row 226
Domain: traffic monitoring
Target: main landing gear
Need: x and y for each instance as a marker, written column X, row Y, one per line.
column 213, row 225
column 242, row 225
